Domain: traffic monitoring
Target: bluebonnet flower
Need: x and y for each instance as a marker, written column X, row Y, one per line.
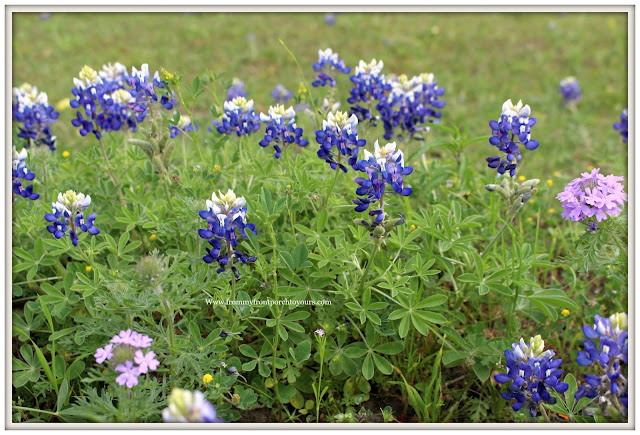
column 145, row 89
column 184, row 124
column 368, row 84
column 533, row 372
column 281, row 94
column 281, row 129
column 236, row 90
column 189, row 407
column 339, row 131
column 328, row 61
column 411, row 104
column 68, row 211
column 102, row 101
column 608, row 355
column 20, row 171
column 623, row 125
column 31, row 108
column 226, row 217
column 385, row 167
column 513, row 129
column 570, row 90
column 123, row 352
column 238, row 118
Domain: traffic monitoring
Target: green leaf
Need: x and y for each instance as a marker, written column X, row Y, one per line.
column 432, row 301
column 303, row 351
column 63, row 394
column 430, row 317
column 467, row 277
column 367, row 367
column 391, row 348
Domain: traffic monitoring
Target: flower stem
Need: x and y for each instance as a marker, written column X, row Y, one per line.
column 372, row 256
column 330, row 190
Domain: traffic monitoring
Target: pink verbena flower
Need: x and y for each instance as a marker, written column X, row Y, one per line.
column 593, row 195
column 129, row 376
column 146, row 362
column 104, row 353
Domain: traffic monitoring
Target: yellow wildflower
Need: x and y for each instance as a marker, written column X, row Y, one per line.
column 565, row 313
column 65, row 154
column 207, row 378
column 152, row 237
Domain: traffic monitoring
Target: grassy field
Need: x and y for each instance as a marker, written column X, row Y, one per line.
column 481, row 59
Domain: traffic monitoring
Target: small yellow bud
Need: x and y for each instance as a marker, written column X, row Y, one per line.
column 207, row 378
column 608, row 266
column 195, row 170
column 66, row 154
column 565, row 313
column 215, row 168
column 531, row 201
column 137, row 187
column 152, row 237
column 549, row 182
column 556, row 174
column 521, row 178
column 302, row 89
column 428, row 162
column 413, row 227
column 288, row 186
column 551, row 210
column 88, row 268
column 590, row 168
column 529, row 219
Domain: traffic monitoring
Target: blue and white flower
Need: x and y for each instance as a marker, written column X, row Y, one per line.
column 368, row 85
column 328, row 61
column 411, row 104
column 31, row 108
column 339, row 138
column 570, row 90
column 226, row 217
column 623, row 125
column 68, row 212
column 20, row 171
column 532, row 372
column 513, row 130
column 281, row 94
column 385, row 167
column 238, row 118
column 281, row 129
column 236, row 89
column 607, row 349
column 189, row 407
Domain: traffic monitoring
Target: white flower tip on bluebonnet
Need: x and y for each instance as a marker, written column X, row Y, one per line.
column 383, row 154
column 618, row 322
column 121, row 96
column 340, row 121
column 111, row 72
column 278, row 111
column 70, row 200
column 236, row 81
column 239, row 103
column 184, row 122
column 568, row 80
column 87, row 77
column 373, row 68
column 520, row 110
column 222, row 203
column 327, row 54
column 28, row 95
column 188, row 407
column 143, row 73
column 19, row 156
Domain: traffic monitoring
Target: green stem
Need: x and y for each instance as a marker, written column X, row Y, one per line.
column 166, row 193
column 372, row 256
column 319, row 390
column 330, row 190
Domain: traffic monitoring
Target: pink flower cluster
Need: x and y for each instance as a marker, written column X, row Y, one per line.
column 593, row 195
column 123, row 348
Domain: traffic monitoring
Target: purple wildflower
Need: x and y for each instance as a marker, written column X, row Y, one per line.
column 129, row 374
column 623, row 125
column 593, row 195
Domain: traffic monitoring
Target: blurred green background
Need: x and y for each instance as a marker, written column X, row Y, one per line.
column 481, row 59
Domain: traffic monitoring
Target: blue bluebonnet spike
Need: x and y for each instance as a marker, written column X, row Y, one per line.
column 532, row 372
column 513, row 130
column 281, row 129
column 570, row 90
column 31, row 108
column 328, row 61
column 68, row 214
column 184, row 124
column 606, row 348
column 239, row 118
column 623, row 125
column 20, row 172
column 338, row 139
column 226, row 221
column 412, row 104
